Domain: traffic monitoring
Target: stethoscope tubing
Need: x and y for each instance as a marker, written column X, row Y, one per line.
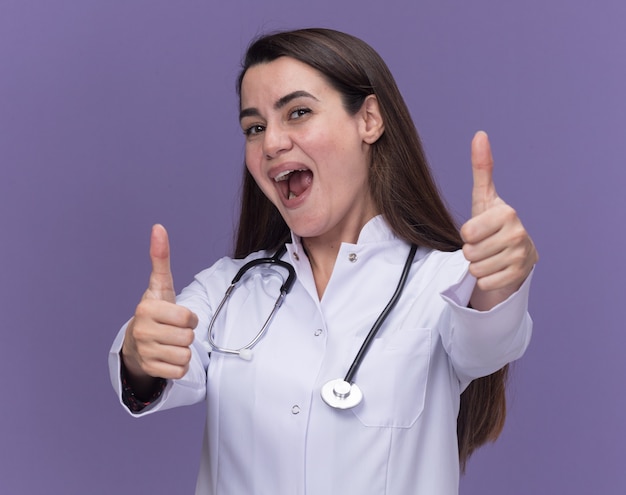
column 356, row 363
column 284, row 290
column 339, row 394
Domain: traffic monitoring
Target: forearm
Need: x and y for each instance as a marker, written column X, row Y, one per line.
column 480, row 342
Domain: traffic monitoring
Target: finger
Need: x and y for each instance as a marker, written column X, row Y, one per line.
column 506, row 268
column 485, row 267
column 484, row 191
column 147, row 337
column 163, row 312
column 161, row 285
column 507, row 279
column 498, row 281
column 483, row 250
column 149, row 345
column 173, row 370
column 488, row 223
column 169, row 371
column 168, row 335
column 169, row 354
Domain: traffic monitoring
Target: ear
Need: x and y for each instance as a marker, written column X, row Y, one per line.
column 372, row 125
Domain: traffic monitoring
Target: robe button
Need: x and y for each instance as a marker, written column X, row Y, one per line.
column 352, row 257
column 295, row 410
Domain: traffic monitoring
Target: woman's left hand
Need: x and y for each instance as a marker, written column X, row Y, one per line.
column 500, row 251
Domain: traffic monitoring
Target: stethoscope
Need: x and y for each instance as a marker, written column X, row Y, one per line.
column 340, row 393
column 245, row 352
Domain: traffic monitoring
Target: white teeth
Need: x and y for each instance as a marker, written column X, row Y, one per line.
column 283, row 175
column 292, row 195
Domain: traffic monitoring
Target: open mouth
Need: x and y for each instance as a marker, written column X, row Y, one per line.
column 292, row 183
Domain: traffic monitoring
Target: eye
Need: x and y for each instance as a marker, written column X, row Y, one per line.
column 299, row 112
column 253, row 130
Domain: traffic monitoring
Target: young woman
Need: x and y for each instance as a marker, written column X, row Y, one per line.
column 337, row 188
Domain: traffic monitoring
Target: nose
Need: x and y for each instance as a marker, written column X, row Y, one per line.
column 276, row 141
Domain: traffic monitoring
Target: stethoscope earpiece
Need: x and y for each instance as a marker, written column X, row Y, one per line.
column 245, row 354
column 341, row 395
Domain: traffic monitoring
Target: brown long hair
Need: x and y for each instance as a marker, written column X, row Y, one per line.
column 400, row 182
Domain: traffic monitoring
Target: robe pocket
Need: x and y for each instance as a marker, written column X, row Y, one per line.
column 393, row 378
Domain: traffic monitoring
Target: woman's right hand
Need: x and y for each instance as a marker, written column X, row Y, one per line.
column 158, row 337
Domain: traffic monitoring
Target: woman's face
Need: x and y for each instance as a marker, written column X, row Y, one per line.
column 305, row 152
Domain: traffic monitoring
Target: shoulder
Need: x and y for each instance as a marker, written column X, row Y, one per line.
column 438, row 260
column 439, row 269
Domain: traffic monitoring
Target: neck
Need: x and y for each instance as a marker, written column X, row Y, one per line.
column 322, row 250
column 322, row 257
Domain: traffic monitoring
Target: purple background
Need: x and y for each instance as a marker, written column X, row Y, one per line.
column 116, row 115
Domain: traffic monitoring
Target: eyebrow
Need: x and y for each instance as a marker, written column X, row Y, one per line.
column 280, row 103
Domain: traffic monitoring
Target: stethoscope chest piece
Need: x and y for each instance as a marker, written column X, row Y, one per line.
column 341, row 394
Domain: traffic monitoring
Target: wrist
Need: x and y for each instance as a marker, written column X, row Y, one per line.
column 138, row 392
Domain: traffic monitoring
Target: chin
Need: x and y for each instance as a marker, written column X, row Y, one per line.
column 305, row 228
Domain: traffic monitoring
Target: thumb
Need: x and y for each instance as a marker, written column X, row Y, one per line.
column 484, row 194
column 161, row 285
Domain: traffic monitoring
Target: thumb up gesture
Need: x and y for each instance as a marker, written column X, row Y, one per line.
column 158, row 337
column 500, row 251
